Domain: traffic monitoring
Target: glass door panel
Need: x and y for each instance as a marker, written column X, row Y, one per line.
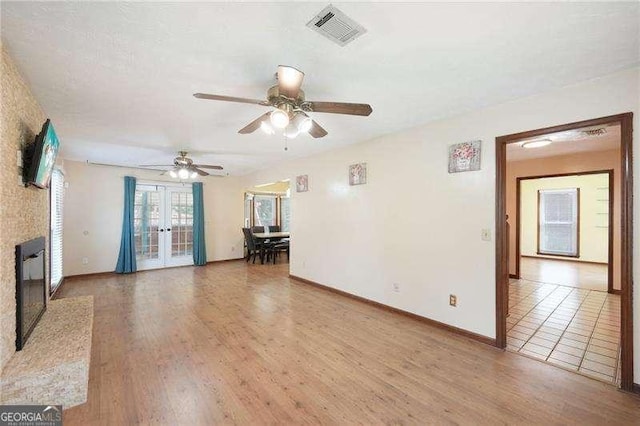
column 147, row 220
column 180, row 230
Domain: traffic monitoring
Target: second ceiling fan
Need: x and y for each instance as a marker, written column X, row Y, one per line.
column 291, row 107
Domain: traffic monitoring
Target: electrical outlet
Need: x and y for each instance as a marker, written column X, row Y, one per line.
column 453, row 300
column 486, row 235
column 396, row 287
column 85, row 260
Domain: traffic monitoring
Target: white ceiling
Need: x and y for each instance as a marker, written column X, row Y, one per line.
column 117, row 78
column 567, row 142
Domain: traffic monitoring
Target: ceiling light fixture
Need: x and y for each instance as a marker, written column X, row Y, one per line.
column 183, row 174
column 537, row 143
column 194, row 175
column 291, row 131
column 289, row 76
column 266, row 127
column 302, row 122
column 173, row 174
column 279, row 119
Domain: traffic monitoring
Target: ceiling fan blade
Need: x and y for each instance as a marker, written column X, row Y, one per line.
column 317, row 131
column 208, row 166
column 254, row 125
column 289, row 81
column 341, row 108
column 198, row 171
column 155, row 165
column 231, row 99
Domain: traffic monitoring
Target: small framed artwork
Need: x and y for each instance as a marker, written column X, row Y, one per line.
column 302, row 183
column 464, row 157
column 358, row 174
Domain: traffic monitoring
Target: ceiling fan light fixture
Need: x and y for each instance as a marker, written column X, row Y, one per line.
column 279, row 119
column 266, row 127
column 537, row 143
column 291, row 131
column 194, row 175
column 173, row 174
column 289, row 76
column 183, row 174
column 302, row 122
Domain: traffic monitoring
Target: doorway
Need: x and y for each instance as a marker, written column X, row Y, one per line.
column 163, row 226
column 624, row 121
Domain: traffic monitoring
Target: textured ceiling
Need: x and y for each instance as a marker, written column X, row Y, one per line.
column 117, row 78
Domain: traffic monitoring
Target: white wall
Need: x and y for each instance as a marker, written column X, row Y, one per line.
column 417, row 225
column 93, row 205
column 593, row 220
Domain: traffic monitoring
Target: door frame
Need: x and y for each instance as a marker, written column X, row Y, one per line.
column 626, row 250
column 610, row 194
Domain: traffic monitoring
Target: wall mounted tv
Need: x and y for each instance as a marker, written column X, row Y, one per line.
column 41, row 156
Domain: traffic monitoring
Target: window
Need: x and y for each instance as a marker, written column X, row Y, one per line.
column 57, row 203
column 265, row 213
column 285, row 213
column 558, row 221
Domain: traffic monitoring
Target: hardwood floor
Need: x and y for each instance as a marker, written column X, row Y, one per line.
column 589, row 276
column 237, row 343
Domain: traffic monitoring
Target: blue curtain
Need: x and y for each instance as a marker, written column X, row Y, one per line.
column 127, row 257
column 199, row 249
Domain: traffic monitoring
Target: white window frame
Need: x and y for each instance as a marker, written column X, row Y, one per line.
column 574, row 222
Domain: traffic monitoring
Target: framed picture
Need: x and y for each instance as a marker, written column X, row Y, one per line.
column 358, row 174
column 464, row 157
column 302, row 183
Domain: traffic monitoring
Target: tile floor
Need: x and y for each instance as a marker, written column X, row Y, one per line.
column 575, row 328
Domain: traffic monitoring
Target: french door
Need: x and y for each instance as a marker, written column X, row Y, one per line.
column 163, row 222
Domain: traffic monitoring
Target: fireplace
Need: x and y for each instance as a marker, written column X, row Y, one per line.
column 31, row 288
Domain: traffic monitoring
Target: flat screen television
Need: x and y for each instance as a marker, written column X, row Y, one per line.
column 41, row 156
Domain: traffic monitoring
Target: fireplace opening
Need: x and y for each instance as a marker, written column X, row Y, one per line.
column 31, row 288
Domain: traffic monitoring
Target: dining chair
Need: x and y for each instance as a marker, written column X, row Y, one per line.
column 257, row 229
column 252, row 247
column 274, row 228
column 277, row 247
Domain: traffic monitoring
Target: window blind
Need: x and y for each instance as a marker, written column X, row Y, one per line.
column 558, row 220
column 57, row 204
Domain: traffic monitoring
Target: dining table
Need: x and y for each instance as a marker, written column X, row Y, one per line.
column 268, row 236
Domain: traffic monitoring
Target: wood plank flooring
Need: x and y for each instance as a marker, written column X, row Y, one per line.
column 232, row 343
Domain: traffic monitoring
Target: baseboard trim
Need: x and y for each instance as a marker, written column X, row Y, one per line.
column 514, row 276
column 235, row 259
column 469, row 334
column 90, row 275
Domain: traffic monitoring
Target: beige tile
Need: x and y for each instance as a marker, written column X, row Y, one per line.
column 603, row 344
column 563, row 364
column 573, row 343
column 533, row 354
column 577, row 337
column 591, row 356
column 517, row 343
column 597, row 375
column 518, row 335
column 567, row 358
column 541, row 350
column 550, row 330
column 569, row 350
column 549, row 336
column 597, row 367
column 602, row 351
column 606, row 337
column 542, row 342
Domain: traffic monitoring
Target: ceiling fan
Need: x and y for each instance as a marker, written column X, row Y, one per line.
column 184, row 168
column 291, row 107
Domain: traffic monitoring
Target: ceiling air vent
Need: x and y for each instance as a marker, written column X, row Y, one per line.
column 336, row 26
